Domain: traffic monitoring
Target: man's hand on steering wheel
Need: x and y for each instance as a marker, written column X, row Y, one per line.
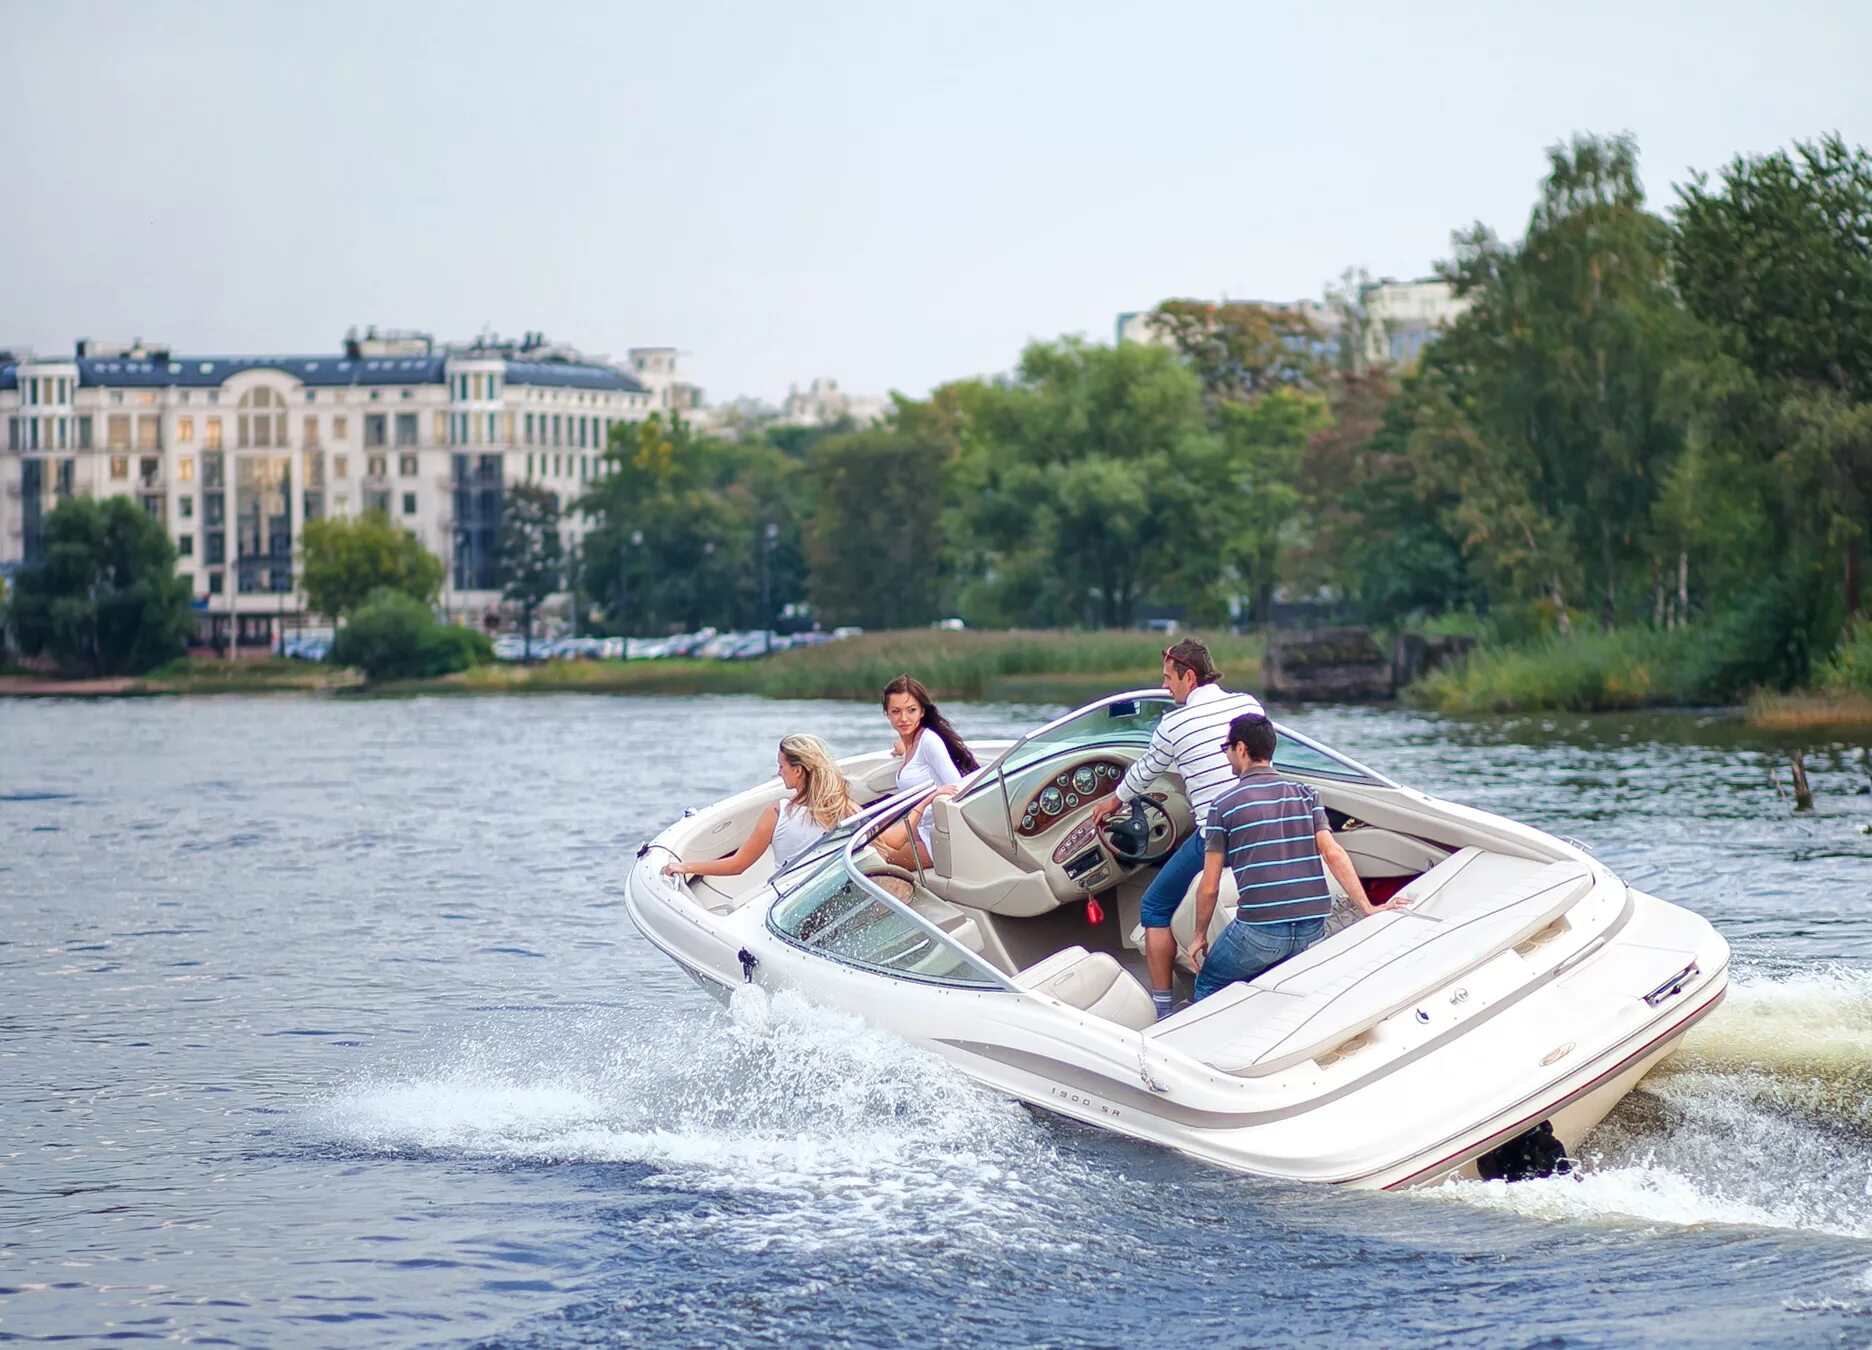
column 1106, row 808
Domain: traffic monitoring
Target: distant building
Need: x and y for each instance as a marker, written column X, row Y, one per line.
column 823, row 403
column 655, row 369
column 1401, row 318
column 235, row 453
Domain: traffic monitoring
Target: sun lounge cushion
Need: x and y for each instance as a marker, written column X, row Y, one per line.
column 1356, row 978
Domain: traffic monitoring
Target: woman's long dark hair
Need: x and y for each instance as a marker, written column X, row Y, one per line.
column 933, row 720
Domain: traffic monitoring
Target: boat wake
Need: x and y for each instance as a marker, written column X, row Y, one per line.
column 1763, row 1117
column 802, row 1125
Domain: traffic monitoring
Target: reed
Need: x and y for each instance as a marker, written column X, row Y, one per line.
column 1625, row 668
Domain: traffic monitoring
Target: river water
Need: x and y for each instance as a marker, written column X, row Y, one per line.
column 322, row 1023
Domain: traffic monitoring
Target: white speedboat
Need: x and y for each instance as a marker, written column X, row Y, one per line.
column 1482, row 1023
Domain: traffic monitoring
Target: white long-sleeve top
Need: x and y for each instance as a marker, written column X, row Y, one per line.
column 1189, row 740
column 928, row 765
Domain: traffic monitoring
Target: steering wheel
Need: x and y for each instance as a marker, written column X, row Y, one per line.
column 1129, row 836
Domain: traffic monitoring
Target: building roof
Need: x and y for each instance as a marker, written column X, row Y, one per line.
column 207, row 372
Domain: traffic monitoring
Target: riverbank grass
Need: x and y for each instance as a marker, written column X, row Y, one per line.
column 1627, row 668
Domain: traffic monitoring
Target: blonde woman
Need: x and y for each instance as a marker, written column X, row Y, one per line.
column 819, row 801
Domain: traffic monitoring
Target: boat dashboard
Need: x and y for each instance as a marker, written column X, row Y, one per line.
column 1072, row 787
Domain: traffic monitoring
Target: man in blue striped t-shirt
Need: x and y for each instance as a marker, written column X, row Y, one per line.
column 1273, row 835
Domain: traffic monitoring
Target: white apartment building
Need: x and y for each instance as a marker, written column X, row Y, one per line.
column 1403, row 317
column 235, row 453
column 822, row 403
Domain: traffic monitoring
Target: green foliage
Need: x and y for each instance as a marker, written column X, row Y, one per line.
column 680, row 527
column 1540, row 416
column 1849, row 669
column 106, row 599
column 1771, row 638
column 1775, row 259
column 875, row 544
column 393, row 635
column 346, row 560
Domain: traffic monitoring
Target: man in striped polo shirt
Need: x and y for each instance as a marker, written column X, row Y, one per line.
column 1188, row 739
column 1273, row 834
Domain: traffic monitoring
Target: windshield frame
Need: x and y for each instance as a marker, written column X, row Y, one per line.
column 1347, row 769
column 862, row 831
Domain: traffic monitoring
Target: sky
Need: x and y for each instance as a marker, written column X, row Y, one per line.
column 890, row 195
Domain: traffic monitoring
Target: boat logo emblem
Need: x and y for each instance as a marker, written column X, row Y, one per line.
column 1422, row 1016
column 1558, row 1053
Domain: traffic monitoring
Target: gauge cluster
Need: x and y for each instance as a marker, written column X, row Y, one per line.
column 1068, row 790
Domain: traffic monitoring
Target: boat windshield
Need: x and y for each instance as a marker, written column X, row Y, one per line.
column 1123, row 719
column 1130, row 719
column 839, row 911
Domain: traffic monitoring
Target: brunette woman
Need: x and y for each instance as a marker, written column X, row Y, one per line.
column 930, row 754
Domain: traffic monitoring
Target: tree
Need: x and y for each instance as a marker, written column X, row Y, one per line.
column 679, row 527
column 532, row 556
column 106, row 599
column 347, row 560
column 1240, row 351
column 1776, row 258
column 1543, row 411
column 875, row 543
column 393, row 635
column 1087, row 486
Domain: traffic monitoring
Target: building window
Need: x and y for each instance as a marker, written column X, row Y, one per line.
column 406, row 465
column 212, row 470
column 375, row 466
column 214, row 548
column 406, row 429
column 185, row 430
column 214, row 583
column 493, row 435
column 214, row 508
column 211, row 433
column 185, row 507
column 409, row 503
column 185, row 545
column 441, row 428
column 262, row 419
column 341, row 466
column 375, row 395
column 149, row 431
column 340, row 427
column 311, row 396
column 375, row 429
column 120, row 466
column 185, row 469
column 149, row 469
column 377, row 501
column 526, row 429
column 117, row 431
column 310, row 436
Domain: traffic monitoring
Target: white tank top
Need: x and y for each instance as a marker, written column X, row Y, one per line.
column 794, row 832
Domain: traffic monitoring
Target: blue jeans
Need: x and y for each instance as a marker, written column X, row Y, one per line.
column 1172, row 882
column 1244, row 950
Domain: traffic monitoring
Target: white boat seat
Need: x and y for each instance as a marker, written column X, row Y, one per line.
column 1482, row 904
column 1093, row 982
